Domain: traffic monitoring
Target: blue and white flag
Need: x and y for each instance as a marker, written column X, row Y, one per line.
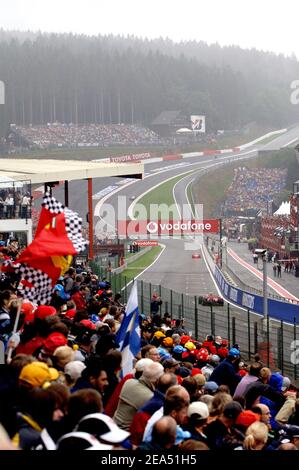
column 128, row 336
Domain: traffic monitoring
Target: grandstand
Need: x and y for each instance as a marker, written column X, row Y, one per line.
column 57, row 135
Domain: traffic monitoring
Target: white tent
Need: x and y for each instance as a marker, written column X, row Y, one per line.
column 284, row 209
column 184, row 130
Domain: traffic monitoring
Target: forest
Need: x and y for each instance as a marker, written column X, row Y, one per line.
column 113, row 79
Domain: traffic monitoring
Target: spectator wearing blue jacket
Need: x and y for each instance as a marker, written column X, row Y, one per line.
column 275, row 382
column 225, row 373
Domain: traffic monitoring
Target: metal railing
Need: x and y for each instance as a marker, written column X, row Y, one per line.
column 273, row 341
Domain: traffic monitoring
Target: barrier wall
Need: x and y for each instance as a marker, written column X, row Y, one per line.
column 276, row 309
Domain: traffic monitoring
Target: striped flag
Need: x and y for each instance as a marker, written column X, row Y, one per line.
column 128, row 335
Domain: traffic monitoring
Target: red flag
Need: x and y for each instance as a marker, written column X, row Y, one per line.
column 58, row 237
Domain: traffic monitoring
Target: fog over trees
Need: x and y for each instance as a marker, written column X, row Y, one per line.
column 113, row 79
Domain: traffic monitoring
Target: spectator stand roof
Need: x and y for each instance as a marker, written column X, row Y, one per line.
column 47, row 171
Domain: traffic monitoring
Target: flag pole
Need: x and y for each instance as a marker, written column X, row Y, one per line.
column 10, row 348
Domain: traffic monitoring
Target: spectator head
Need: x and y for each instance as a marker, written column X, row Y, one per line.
column 176, row 339
column 285, row 384
column 256, row 436
column 40, row 405
column 211, row 388
column 44, row 311
column 37, row 374
column 164, row 432
column 223, row 389
column 287, row 446
column 265, row 375
column 190, row 384
column 73, row 370
column 198, row 413
column 140, row 365
column 192, row 444
column 152, row 372
column 61, row 395
column 153, row 354
column 218, row 403
column 53, row 341
column 96, row 374
column 255, row 369
column 231, row 411
column 170, row 364
column 208, row 400
column 240, row 399
column 103, row 428
column 80, row 441
column 245, row 419
column 166, row 381
column 19, row 361
column 233, row 355
column 176, row 403
column 82, row 403
column 263, row 411
column 200, row 379
column 63, row 355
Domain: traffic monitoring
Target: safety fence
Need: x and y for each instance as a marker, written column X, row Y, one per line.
column 275, row 341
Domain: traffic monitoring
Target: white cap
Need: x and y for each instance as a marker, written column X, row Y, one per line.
column 140, row 365
column 80, row 441
column 74, row 369
column 199, row 408
column 103, row 427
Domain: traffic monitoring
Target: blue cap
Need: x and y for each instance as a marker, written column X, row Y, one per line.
column 163, row 353
column 234, row 352
column 61, row 292
column 211, row 387
column 179, row 349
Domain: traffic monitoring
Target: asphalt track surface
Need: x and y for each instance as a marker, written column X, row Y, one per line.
column 175, row 268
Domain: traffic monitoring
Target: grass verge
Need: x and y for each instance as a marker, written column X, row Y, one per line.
column 162, row 194
column 118, row 281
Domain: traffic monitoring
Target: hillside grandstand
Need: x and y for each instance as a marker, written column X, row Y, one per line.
column 57, row 135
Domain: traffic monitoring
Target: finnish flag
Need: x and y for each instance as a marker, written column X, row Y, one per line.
column 128, row 336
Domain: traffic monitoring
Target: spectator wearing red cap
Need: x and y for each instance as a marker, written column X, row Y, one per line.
column 44, row 311
column 202, row 357
column 34, row 334
column 52, row 342
column 245, row 419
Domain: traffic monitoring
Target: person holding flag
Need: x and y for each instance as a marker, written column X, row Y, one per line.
column 128, row 336
column 58, row 237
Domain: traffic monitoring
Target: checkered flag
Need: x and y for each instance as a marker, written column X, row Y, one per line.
column 52, row 205
column 73, row 223
column 35, row 285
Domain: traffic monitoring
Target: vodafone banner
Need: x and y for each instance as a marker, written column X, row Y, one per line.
column 160, row 228
column 146, row 243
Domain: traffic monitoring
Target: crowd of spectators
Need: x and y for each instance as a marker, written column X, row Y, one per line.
column 15, row 203
column 61, row 387
column 85, row 135
column 253, row 188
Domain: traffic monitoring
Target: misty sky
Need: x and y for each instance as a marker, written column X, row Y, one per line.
column 263, row 24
